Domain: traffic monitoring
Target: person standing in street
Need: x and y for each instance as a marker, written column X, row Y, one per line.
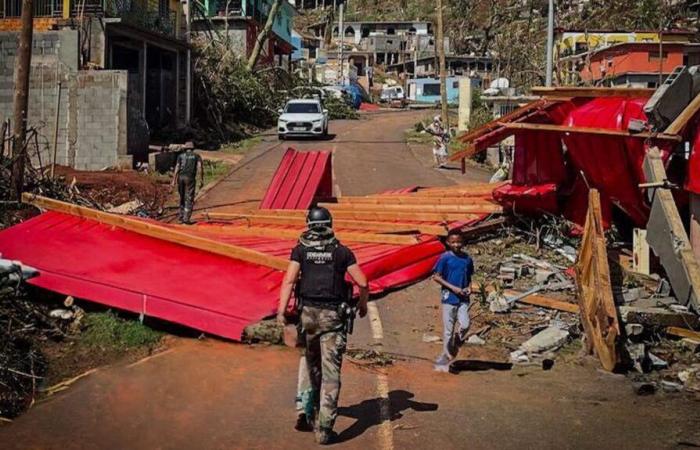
column 453, row 272
column 440, row 140
column 188, row 163
column 319, row 264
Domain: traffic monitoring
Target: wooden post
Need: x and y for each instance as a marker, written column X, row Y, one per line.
column 440, row 48
column 55, row 130
column 21, row 100
column 695, row 224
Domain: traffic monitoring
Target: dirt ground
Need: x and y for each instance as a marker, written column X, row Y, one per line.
column 113, row 188
column 214, row 394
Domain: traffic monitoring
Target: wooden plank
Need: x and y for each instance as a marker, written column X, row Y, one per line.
column 411, row 200
column 684, row 333
column 389, row 227
column 545, row 302
column 598, row 131
column 483, row 209
column 511, row 116
column 385, row 215
column 680, row 122
column 570, row 91
column 536, row 300
column 159, row 232
column 595, row 298
column 280, row 233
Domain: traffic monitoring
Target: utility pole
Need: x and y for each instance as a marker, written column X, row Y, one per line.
column 341, row 35
column 21, row 100
column 550, row 43
column 440, row 47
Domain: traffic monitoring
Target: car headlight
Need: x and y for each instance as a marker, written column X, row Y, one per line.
column 318, row 121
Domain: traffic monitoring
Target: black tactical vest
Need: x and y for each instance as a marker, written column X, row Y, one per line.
column 322, row 276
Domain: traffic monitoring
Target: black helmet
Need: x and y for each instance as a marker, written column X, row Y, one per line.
column 319, row 217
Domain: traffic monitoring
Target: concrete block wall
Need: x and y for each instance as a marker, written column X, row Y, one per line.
column 93, row 117
column 101, row 121
column 51, row 62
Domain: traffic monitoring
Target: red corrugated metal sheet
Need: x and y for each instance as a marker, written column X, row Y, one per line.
column 300, row 177
column 215, row 294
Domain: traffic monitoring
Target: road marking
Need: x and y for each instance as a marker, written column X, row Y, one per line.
column 386, row 432
column 374, row 322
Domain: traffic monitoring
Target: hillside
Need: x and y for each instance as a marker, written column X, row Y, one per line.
column 514, row 31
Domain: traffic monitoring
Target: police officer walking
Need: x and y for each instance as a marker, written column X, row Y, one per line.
column 185, row 177
column 318, row 265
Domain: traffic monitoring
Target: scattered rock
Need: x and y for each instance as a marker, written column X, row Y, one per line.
column 431, row 338
column 644, row 388
column 550, row 338
column 670, row 386
column 691, row 344
column 656, row 362
column 475, row 340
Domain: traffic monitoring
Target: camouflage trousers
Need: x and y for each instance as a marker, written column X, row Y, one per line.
column 326, row 340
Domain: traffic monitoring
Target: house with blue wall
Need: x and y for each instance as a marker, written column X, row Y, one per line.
column 240, row 21
column 427, row 90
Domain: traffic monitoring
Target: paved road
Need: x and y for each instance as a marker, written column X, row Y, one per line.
column 214, row 394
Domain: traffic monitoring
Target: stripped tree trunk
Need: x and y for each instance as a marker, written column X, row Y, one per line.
column 264, row 33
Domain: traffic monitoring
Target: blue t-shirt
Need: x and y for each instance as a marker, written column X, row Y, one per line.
column 456, row 270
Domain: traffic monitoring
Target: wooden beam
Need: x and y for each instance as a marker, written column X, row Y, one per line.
column 158, row 231
column 384, row 215
column 546, row 302
column 684, row 333
column 684, row 117
column 389, row 227
column 415, row 200
column 595, row 297
column 597, row 131
column 488, row 208
column 285, row 233
column 570, row 91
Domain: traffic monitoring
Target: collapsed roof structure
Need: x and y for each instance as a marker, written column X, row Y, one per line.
column 222, row 275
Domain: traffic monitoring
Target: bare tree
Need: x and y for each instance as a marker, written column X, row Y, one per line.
column 261, row 40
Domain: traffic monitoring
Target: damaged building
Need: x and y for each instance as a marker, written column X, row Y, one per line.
column 108, row 73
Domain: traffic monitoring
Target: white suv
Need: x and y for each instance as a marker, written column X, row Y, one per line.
column 302, row 118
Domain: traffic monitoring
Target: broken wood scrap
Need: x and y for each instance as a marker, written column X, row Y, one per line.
column 252, row 219
column 659, row 317
column 158, row 231
column 474, row 231
column 683, row 333
column 595, row 297
column 546, row 302
column 536, row 300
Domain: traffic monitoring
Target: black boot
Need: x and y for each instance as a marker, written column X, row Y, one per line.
column 326, row 436
column 303, row 423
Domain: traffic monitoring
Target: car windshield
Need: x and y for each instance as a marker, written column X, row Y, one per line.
column 302, row 108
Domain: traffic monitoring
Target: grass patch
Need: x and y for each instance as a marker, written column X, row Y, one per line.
column 241, row 147
column 106, row 330
column 213, row 170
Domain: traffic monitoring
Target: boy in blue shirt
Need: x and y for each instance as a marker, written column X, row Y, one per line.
column 453, row 272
